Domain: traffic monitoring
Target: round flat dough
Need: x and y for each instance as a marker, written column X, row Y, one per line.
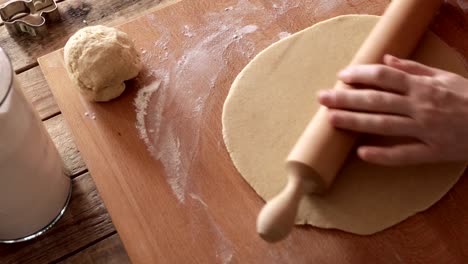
column 273, row 99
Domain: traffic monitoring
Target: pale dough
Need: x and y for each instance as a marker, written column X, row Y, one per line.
column 274, row 97
column 99, row 59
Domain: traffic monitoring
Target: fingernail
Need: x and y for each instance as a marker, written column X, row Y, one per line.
column 324, row 95
column 362, row 153
column 344, row 73
column 392, row 59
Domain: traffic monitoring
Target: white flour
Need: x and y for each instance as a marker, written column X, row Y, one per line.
column 203, row 55
column 283, row 6
column 198, row 199
column 247, row 29
column 283, row 35
column 463, row 4
column 327, row 6
column 223, row 247
column 171, row 158
column 141, row 104
column 188, row 72
column 187, row 32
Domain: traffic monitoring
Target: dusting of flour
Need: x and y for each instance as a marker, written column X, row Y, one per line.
column 176, row 102
column 463, row 5
column 141, row 104
column 203, row 54
column 283, row 35
column 187, row 72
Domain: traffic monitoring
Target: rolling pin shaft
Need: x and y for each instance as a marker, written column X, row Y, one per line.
column 324, row 149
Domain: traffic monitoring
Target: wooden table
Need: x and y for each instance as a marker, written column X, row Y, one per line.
column 86, row 233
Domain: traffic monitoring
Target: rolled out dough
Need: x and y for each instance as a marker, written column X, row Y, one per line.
column 273, row 99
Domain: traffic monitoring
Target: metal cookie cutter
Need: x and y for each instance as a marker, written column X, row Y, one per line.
column 29, row 16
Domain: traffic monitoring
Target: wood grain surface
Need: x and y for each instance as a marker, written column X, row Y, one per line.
column 85, row 218
column 188, row 203
column 60, row 134
column 26, row 50
column 37, row 91
column 108, row 251
column 75, row 14
column 452, row 25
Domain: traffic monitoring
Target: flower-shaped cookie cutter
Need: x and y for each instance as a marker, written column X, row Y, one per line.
column 29, row 16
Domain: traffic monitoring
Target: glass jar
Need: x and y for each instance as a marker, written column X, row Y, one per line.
column 34, row 186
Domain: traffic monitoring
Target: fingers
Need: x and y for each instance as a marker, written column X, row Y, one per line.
column 414, row 153
column 376, row 75
column 409, row 66
column 380, row 124
column 365, row 100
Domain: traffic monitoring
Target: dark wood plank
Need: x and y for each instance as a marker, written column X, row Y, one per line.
column 109, row 251
column 60, row 134
column 75, row 14
column 452, row 25
column 85, row 221
column 37, row 91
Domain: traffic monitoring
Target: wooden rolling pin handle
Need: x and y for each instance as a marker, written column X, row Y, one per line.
column 321, row 150
column 277, row 217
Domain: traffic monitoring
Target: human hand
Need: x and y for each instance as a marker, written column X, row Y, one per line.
column 403, row 98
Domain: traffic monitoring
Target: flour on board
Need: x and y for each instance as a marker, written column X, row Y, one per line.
column 141, row 104
column 224, row 247
column 199, row 199
column 177, row 102
column 463, row 4
column 187, row 32
column 203, row 55
column 326, row 6
column 283, row 35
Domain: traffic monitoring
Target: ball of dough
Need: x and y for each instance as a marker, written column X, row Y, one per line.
column 99, row 59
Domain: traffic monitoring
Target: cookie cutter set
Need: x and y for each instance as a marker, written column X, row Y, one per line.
column 29, row 16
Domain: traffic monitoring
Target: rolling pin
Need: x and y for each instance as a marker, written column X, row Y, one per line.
column 322, row 150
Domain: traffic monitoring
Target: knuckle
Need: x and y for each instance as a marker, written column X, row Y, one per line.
column 440, row 97
column 379, row 72
column 335, row 118
column 343, row 120
column 378, row 124
column 429, row 84
column 383, row 122
column 408, row 63
column 426, row 88
column 427, row 122
column 340, row 98
column 377, row 99
column 448, row 78
column 442, row 93
column 385, row 158
column 425, row 113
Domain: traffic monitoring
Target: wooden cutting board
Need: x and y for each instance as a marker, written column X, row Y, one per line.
column 175, row 197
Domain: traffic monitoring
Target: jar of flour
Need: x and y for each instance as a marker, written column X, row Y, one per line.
column 34, row 188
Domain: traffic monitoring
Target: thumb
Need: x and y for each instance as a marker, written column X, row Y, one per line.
column 409, row 66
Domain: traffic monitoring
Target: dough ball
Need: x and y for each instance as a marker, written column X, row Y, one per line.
column 99, row 59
